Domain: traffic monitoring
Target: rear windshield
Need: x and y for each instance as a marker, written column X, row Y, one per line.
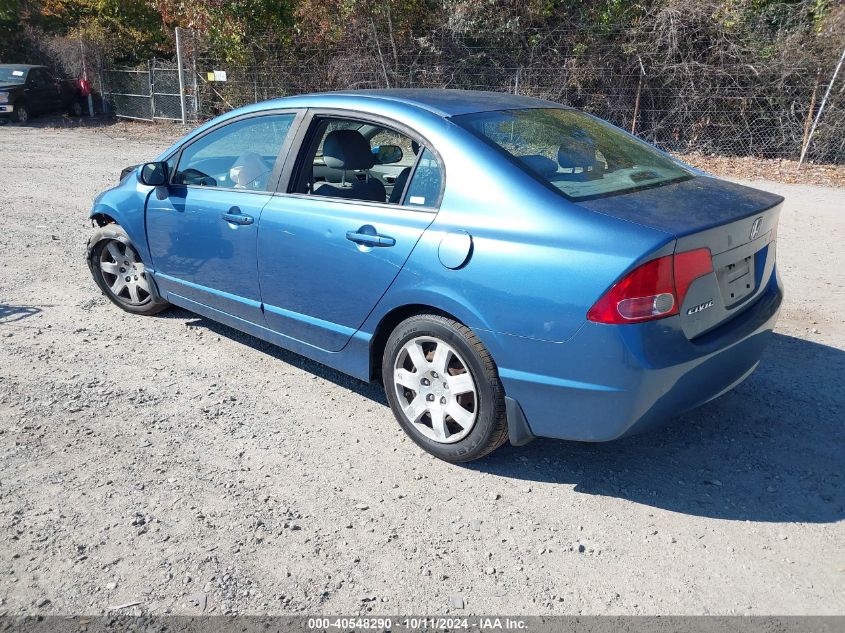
column 10, row 75
column 580, row 156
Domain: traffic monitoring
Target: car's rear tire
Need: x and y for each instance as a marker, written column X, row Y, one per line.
column 444, row 388
column 75, row 108
column 20, row 114
column 119, row 272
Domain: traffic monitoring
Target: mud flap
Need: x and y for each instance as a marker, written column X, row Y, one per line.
column 519, row 433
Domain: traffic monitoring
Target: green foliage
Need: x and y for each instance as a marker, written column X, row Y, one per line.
column 8, row 12
column 233, row 28
column 8, row 28
column 133, row 30
column 8, row 15
column 130, row 26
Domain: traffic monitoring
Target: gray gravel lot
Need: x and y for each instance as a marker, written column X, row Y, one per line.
column 178, row 464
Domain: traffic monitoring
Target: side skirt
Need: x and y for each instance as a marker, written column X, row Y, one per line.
column 352, row 359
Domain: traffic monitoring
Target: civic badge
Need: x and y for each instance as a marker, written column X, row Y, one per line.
column 701, row 306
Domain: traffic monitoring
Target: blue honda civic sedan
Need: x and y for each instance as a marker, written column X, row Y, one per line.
column 507, row 267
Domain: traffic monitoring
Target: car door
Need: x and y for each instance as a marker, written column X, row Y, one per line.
column 39, row 91
column 52, row 91
column 324, row 262
column 202, row 227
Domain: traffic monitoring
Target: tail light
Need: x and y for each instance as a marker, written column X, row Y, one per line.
column 653, row 290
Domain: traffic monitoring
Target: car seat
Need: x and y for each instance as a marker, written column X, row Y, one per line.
column 348, row 150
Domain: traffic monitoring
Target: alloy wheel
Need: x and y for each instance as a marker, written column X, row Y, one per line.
column 124, row 273
column 436, row 390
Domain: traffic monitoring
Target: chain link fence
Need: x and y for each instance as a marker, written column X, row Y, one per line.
column 729, row 103
column 149, row 92
column 129, row 92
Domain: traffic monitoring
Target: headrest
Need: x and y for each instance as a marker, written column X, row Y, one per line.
column 247, row 169
column 542, row 165
column 577, row 153
column 347, row 149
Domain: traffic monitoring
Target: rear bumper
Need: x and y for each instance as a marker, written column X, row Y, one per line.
column 610, row 381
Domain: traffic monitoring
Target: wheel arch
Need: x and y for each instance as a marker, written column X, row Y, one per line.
column 101, row 218
column 388, row 323
column 125, row 206
column 405, row 299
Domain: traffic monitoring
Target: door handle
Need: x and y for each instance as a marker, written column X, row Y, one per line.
column 367, row 236
column 234, row 216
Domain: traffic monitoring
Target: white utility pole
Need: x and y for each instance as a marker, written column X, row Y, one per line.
column 821, row 109
column 179, row 62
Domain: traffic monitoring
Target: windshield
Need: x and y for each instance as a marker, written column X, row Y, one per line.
column 12, row 75
column 580, row 156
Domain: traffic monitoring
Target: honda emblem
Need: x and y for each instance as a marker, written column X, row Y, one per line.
column 755, row 228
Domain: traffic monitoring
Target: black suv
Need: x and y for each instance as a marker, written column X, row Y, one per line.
column 27, row 90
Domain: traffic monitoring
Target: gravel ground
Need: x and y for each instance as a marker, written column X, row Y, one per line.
column 180, row 465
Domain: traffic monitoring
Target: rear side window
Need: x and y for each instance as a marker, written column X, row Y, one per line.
column 580, row 156
column 353, row 159
column 424, row 188
column 240, row 155
column 39, row 78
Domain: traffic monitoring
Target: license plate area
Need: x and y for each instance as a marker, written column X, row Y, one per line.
column 737, row 281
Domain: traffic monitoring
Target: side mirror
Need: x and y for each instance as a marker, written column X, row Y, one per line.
column 154, row 174
column 387, row 154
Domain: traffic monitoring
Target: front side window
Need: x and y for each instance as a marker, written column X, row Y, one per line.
column 240, row 155
column 575, row 153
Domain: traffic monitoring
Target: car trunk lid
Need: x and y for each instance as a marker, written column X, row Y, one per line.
column 737, row 224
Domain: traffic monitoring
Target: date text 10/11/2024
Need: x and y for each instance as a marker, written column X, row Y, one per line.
column 418, row 623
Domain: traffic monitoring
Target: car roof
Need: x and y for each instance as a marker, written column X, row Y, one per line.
column 438, row 103
column 442, row 102
column 22, row 66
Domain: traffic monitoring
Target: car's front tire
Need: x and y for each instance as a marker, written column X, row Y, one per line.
column 20, row 114
column 119, row 272
column 444, row 388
